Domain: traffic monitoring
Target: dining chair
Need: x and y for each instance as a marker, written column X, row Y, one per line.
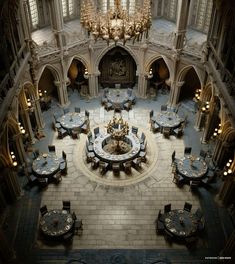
column 63, row 167
column 151, row 113
column 95, row 163
column 187, row 151
column 173, row 158
column 127, row 167
column 87, row 114
column 66, row 205
column 43, row 182
column 108, row 106
column 116, row 168
column 66, row 110
column 203, row 154
column 142, row 155
column 163, row 107
column 103, row 167
column 166, row 131
column 97, row 132
column 134, row 130
column 198, row 214
column 90, row 137
column 90, row 156
column 77, row 109
column 57, row 177
column 194, row 185
column 51, row 148
column 127, row 106
column 154, row 127
column 43, row 210
column 188, row 206
column 78, row 227
column 142, row 138
column 74, row 216
column 167, row 208
column 62, row 133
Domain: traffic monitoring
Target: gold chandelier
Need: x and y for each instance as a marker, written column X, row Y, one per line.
column 117, row 23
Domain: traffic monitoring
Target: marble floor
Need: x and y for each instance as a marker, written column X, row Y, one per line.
column 119, row 214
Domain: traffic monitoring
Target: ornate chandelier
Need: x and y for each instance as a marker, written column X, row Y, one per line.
column 116, row 24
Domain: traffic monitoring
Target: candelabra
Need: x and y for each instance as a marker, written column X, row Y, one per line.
column 118, row 129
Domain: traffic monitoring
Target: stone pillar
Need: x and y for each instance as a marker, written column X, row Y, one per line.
column 93, row 84
column 182, row 21
column 175, row 93
column 10, row 177
column 142, row 85
column 57, row 23
column 220, row 154
column 227, row 191
column 38, row 114
column 20, row 148
column 6, row 251
column 62, row 92
column 27, row 124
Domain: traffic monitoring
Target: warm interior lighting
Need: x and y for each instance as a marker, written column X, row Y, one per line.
column 14, row 163
column 29, row 104
column 117, row 23
column 85, row 75
column 40, row 93
column 230, row 171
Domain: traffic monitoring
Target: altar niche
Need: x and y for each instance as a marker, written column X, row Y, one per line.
column 117, row 66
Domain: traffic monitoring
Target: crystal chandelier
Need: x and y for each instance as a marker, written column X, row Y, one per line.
column 116, row 24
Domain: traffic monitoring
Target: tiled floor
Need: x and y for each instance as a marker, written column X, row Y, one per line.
column 118, row 220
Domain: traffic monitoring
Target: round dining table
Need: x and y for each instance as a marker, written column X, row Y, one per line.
column 56, row 223
column 167, row 119
column 191, row 167
column 181, row 223
column 99, row 151
column 46, row 165
column 117, row 98
column 71, row 120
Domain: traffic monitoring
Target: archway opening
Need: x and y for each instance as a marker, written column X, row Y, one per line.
column 191, row 84
column 117, row 67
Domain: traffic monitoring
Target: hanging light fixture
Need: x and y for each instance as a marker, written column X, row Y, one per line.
column 117, row 23
column 86, row 75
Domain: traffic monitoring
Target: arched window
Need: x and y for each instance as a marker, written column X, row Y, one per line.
column 107, row 4
column 33, row 13
column 68, row 8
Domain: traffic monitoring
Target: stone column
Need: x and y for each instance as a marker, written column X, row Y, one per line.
column 57, row 24
column 142, row 85
column 6, row 251
column 227, row 190
column 62, row 92
column 175, row 93
column 220, row 154
column 20, row 148
column 182, row 22
column 38, row 114
column 27, row 124
column 93, row 84
column 10, row 177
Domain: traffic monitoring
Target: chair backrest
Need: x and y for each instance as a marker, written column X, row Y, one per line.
column 87, row 114
column 173, row 156
column 64, row 155
column 163, row 107
column 66, row 110
column 167, row 208
column 134, row 130
column 66, row 205
column 187, row 206
column 89, row 136
column 74, row 216
column 203, row 153
column 51, row 148
column 77, row 109
column 96, row 130
column 43, row 210
column 143, row 136
column 151, row 114
column 199, row 214
column 187, row 150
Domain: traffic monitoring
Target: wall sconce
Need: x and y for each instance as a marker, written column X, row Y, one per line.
column 14, row 161
column 150, row 74
column 205, row 108
column 86, row 74
column 197, row 95
column 40, row 93
column 217, row 131
column 227, row 169
column 22, row 130
column 29, row 104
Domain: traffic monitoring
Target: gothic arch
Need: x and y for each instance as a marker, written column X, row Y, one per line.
column 79, row 58
column 110, row 47
column 158, row 57
column 184, row 71
column 31, row 89
column 207, row 93
column 54, row 71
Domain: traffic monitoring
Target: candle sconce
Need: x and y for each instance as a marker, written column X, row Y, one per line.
column 228, row 171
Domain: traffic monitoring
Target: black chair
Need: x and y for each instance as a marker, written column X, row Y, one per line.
column 194, row 185
column 103, row 167
column 198, row 214
column 116, row 168
column 151, row 113
column 77, row 109
column 32, row 179
column 166, row 131
column 108, row 106
column 90, row 138
column 142, row 155
column 134, row 130
column 78, row 227
column 163, row 107
column 63, row 167
column 96, row 132
column 43, row 182
column 155, row 127
column 127, row 106
column 178, row 132
column 43, row 210
column 51, row 148
column 127, row 167
column 167, row 208
column 187, row 151
column 66, row 205
column 56, row 117
column 62, row 133
column 87, row 114
column 68, row 237
column 203, row 154
column 64, row 155
column 86, row 126
column 142, row 138
column 187, row 206
column 136, row 163
column 173, row 158
column 74, row 216
column 36, row 153
column 66, row 110
column 75, row 133
column 89, row 147
column 57, row 177
column 95, row 163
column 90, row 156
